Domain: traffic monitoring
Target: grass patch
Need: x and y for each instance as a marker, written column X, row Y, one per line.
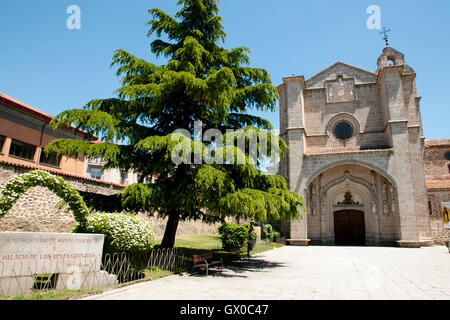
column 203, row 243
column 263, row 247
column 195, row 241
column 52, row 294
column 210, row 243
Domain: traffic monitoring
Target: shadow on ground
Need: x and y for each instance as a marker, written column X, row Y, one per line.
column 237, row 269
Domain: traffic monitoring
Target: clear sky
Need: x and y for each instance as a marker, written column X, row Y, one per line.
column 52, row 68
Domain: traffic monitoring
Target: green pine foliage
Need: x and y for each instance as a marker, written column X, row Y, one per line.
column 202, row 82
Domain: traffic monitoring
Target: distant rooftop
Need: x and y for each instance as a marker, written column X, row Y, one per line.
column 17, row 104
column 437, row 142
column 438, row 184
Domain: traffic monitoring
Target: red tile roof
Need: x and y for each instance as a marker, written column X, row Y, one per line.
column 437, row 142
column 59, row 172
column 438, row 184
column 33, row 111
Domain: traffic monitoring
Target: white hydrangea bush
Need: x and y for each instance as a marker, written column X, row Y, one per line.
column 123, row 232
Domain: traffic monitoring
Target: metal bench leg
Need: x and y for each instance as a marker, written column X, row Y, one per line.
column 206, row 262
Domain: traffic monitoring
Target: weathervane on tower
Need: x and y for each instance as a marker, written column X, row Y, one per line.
column 386, row 38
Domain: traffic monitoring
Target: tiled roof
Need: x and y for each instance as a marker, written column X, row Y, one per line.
column 438, row 184
column 25, row 107
column 59, row 172
column 437, row 142
column 34, row 111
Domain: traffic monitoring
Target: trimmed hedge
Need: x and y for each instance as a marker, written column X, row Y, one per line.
column 233, row 235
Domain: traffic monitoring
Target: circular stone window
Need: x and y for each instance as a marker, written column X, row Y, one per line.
column 447, row 155
column 343, row 130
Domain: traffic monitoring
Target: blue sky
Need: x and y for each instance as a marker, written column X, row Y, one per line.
column 52, row 68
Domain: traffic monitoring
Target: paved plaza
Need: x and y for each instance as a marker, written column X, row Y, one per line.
column 299, row 273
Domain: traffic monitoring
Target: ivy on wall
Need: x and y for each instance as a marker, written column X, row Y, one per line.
column 17, row 186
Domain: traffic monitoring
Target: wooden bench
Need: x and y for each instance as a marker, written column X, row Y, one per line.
column 205, row 261
column 236, row 253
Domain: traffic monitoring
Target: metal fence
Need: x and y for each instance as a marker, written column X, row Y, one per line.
column 130, row 267
column 34, row 279
column 62, row 278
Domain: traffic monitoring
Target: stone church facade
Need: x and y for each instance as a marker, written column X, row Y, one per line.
column 356, row 155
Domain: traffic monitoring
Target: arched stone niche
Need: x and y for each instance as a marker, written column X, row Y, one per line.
column 338, row 189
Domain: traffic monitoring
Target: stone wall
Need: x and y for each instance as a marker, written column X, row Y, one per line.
column 435, row 163
column 184, row 227
column 39, row 209
column 440, row 235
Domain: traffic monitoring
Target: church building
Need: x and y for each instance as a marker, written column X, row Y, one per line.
column 356, row 155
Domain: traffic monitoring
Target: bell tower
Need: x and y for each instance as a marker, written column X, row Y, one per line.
column 390, row 57
column 401, row 108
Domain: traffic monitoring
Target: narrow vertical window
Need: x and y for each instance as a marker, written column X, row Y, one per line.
column 52, row 159
column 123, row 177
column 2, row 142
column 96, row 173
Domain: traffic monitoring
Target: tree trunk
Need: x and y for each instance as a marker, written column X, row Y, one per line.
column 171, row 231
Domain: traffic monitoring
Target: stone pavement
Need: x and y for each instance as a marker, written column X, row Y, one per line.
column 301, row 273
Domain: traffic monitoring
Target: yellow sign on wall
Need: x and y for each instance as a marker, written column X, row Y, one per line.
column 446, row 214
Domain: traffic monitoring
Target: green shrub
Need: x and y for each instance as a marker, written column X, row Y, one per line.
column 275, row 235
column 233, row 235
column 251, row 231
column 123, row 232
column 269, row 232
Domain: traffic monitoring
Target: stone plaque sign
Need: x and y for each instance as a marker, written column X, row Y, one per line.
column 75, row 258
column 49, row 252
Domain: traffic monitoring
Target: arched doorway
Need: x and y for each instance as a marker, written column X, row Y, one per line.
column 356, row 198
column 349, row 228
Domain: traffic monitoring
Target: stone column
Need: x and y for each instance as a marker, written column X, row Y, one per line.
column 298, row 228
column 295, row 131
column 400, row 165
column 375, row 207
column 324, row 215
column 420, row 192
